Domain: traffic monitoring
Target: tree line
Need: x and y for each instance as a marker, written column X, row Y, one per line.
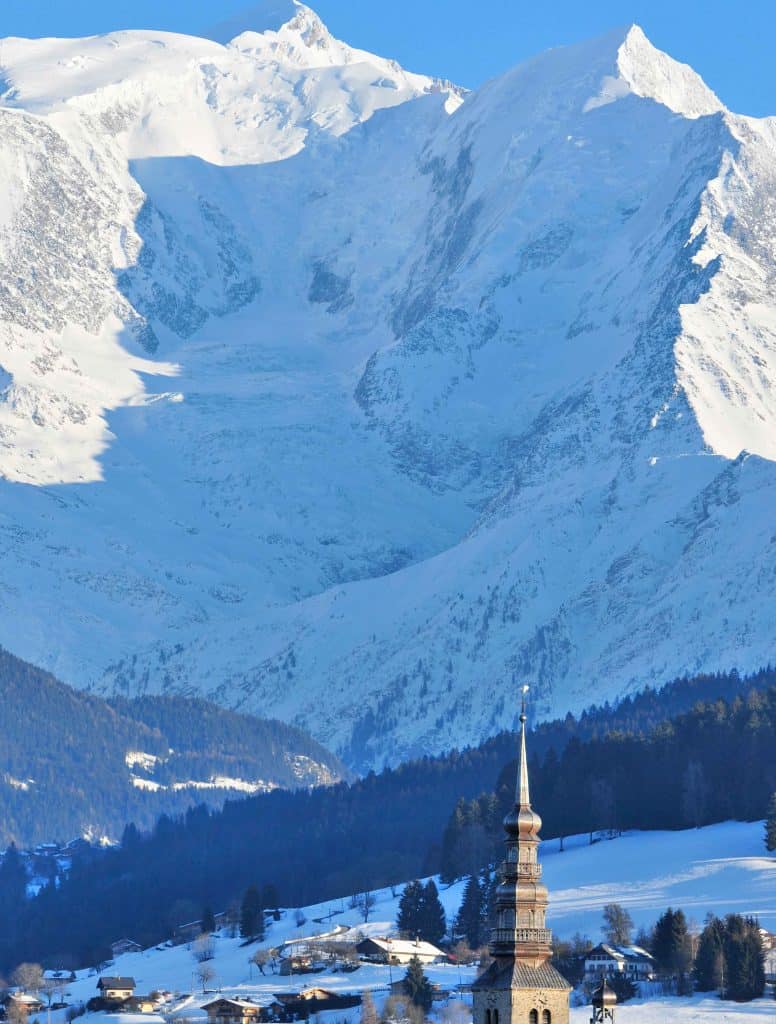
column 673, row 777
column 407, row 822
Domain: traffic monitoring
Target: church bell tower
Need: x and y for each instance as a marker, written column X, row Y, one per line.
column 521, row 986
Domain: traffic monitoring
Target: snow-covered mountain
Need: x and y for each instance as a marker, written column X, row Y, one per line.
column 332, row 393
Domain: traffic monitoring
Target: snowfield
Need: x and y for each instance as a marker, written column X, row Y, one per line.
column 720, row 869
column 332, row 393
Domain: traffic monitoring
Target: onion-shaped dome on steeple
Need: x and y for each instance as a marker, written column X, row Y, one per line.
column 522, row 822
column 603, row 997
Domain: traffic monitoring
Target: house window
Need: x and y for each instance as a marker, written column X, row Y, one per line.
column 546, row 1017
column 487, row 1017
column 533, row 1017
column 495, row 1017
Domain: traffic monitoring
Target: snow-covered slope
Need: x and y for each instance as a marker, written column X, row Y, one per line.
column 646, row 872
column 332, row 397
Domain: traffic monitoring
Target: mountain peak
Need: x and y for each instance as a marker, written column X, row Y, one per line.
column 643, row 70
column 267, row 16
column 286, row 30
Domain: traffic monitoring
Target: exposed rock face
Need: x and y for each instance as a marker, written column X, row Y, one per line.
column 327, row 396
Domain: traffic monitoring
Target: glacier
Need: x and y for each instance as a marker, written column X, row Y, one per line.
column 333, row 392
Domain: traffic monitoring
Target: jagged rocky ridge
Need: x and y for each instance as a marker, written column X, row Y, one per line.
column 333, row 394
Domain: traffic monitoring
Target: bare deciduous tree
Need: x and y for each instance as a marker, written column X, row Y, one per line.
column 203, row 948
column 363, row 901
column 456, row 1012
column 401, row 1010
column 205, row 973
column 16, row 1013
column 262, row 958
column 368, row 1009
column 52, row 986
column 28, row 977
column 618, row 925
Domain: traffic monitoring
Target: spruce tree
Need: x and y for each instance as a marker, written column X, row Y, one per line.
column 661, row 940
column 670, row 942
column 433, row 923
column 709, row 960
column 470, row 922
column 770, row 825
column 622, row 986
column 251, row 914
column 13, row 884
column 408, row 920
column 744, row 959
column 208, row 923
column 269, row 897
column 417, row 986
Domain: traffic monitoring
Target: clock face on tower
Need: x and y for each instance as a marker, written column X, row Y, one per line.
column 492, row 999
column 541, row 999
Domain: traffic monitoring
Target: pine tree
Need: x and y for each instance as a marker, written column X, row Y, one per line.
column 417, row 986
column 408, row 920
column 13, row 883
column 662, row 947
column 622, row 986
column 670, row 942
column 208, row 923
column 130, row 837
column 269, row 897
column 744, row 959
column 470, row 919
column 431, row 913
column 770, row 825
column 251, row 914
column 709, row 960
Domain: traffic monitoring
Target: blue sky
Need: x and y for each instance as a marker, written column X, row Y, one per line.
column 730, row 44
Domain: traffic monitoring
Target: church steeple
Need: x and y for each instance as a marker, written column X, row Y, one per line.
column 521, row 986
column 521, row 899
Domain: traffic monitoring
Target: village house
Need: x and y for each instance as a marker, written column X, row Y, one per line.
column 25, row 1002
column 243, row 1011
column 310, row 955
column 302, row 1005
column 607, row 960
column 116, row 989
column 399, row 951
column 63, row 975
column 121, row 946
column 770, row 965
column 191, row 930
column 141, row 1004
column 300, row 962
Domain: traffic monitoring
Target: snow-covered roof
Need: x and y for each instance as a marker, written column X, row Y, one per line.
column 622, row 952
column 407, row 947
column 255, row 1003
